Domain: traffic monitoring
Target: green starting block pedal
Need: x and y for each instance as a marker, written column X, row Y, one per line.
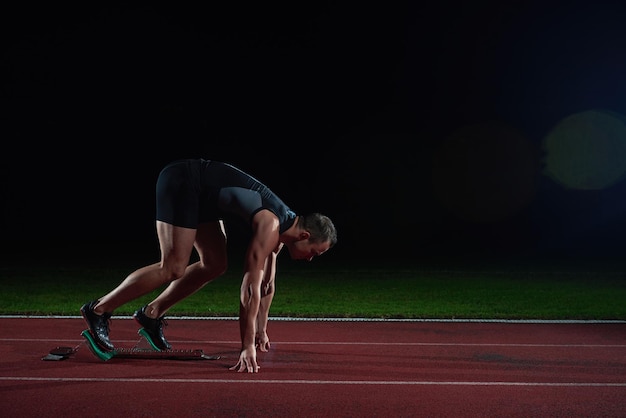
column 144, row 353
column 95, row 349
column 147, row 337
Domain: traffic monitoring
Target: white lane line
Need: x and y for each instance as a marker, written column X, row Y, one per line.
column 314, row 382
column 323, row 319
column 276, row 343
column 452, row 344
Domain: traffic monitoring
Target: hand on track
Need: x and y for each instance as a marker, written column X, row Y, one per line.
column 247, row 361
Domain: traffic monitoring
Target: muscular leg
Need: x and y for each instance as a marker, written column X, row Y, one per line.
column 210, row 244
column 176, row 244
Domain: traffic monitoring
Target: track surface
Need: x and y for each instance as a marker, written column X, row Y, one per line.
column 322, row 369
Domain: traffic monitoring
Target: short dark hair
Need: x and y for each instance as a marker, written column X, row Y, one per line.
column 320, row 227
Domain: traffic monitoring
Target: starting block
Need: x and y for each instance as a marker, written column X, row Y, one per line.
column 60, row 353
column 148, row 351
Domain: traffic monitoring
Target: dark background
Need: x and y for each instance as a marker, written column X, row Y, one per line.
column 418, row 128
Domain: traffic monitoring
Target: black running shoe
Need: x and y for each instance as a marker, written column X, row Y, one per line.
column 153, row 327
column 98, row 325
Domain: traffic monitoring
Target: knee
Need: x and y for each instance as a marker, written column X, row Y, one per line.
column 214, row 267
column 174, row 271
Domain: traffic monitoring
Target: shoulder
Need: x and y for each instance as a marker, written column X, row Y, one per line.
column 265, row 218
column 265, row 232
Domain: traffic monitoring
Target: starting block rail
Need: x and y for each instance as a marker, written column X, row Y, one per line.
column 144, row 353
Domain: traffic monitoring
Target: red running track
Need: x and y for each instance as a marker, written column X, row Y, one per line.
column 323, row 369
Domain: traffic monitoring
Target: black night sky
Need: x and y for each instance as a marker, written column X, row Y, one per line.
column 481, row 129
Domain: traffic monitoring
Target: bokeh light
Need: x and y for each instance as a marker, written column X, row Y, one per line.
column 587, row 150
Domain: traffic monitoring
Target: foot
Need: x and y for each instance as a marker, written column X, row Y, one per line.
column 153, row 327
column 98, row 325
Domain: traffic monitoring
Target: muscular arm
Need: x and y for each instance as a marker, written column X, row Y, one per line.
column 268, row 289
column 264, row 241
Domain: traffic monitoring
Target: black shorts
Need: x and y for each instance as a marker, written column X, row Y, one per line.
column 180, row 200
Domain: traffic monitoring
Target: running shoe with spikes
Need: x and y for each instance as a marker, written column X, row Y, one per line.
column 98, row 325
column 153, row 327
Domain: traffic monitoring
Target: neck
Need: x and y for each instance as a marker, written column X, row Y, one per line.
column 291, row 234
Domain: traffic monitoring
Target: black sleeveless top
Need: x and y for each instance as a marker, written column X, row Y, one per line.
column 193, row 191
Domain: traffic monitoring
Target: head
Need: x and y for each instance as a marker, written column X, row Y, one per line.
column 317, row 235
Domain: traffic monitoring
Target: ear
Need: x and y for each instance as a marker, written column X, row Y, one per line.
column 304, row 235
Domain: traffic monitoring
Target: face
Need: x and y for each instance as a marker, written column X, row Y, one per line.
column 306, row 250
